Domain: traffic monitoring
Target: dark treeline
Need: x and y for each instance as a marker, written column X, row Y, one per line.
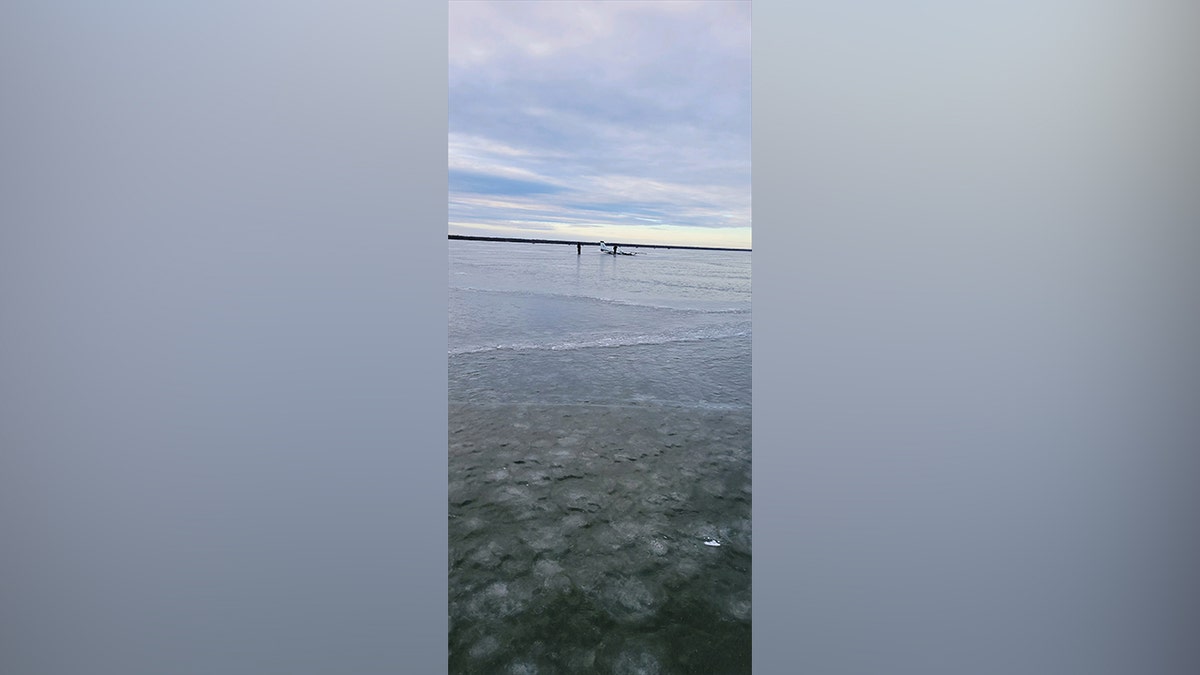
column 588, row 243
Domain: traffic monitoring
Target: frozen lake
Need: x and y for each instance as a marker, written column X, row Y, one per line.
column 599, row 444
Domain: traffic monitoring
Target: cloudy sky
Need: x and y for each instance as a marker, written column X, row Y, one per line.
column 624, row 121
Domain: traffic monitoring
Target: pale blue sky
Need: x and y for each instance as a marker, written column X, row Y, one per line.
column 625, row 121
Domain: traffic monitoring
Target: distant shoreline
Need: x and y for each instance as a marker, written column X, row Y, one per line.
column 517, row 240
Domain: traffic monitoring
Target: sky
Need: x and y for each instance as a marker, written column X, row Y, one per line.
column 616, row 121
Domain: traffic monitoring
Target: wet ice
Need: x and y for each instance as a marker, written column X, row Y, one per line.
column 569, row 548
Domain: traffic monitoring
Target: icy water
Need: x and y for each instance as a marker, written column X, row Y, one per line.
column 599, row 444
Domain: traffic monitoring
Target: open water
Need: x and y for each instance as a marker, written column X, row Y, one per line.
column 599, row 442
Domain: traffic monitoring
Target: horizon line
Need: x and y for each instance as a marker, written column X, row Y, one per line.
column 520, row 240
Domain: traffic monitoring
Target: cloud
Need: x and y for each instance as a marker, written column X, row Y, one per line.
column 630, row 112
column 468, row 181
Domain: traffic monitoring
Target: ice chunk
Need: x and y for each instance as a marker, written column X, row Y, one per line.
column 630, row 600
column 635, row 664
column 523, row 668
column 485, row 647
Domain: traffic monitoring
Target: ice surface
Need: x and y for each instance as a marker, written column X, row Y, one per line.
column 577, row 549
